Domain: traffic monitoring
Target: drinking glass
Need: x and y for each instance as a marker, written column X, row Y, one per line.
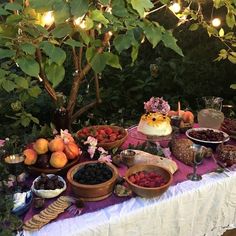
column 211, row 116
column 198, row 153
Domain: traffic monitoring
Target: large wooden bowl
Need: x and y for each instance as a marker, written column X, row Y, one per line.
column 110, row 145
column 144, row 191
column 93, row 192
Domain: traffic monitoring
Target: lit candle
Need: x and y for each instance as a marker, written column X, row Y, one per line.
column 216, row 22
column 179, row 108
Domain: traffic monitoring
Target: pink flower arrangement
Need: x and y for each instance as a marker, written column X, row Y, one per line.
column 92, row 149
column 157, row 104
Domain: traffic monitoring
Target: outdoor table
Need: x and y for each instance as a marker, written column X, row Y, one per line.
column 206, row 207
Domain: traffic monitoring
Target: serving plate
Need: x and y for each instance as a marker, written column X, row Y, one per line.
column 201, row 141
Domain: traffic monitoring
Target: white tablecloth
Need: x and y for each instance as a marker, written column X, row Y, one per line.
column 207, row 207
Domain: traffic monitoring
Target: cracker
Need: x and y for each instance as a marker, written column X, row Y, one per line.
column 39, row 218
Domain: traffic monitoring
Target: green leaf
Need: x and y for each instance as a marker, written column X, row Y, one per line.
column 61, row 12
column 73, row 43
column 153, row 33
column 112, row 60
column 79, row 7
column 223, row 53
column 55, row 73
column 134, row 53
column 119, row 8
column 170, row 42
column 62, row 30
column 29, row 66
column 84, row 37
column 5, row 53
column 21, row 82
column 104, row 2
column 233, row 86
column 13, row 6
column 8, row 85
column 88, row 23
column 230, row 19
column 124, row 41
column 194, row 27
column 13, row 19
column 98, row 63
column 34, row 119
column 98, row 16
column 34, row 91
column 232, row 59
column 4, row 12
column 42, row 6
column 90, row 52
column 164, row 1
column 25, row 121
column 141, row 6
column 28, row 48
column 56, row 54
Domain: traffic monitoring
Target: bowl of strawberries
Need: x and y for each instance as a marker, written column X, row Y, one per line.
column 108, row 136
column 148, row 180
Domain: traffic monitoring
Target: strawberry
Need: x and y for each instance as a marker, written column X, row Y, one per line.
column 101, row 131
column 85, row 130
column 132, row 179
column 141, row 175
column 112, row 137
column 108, row 130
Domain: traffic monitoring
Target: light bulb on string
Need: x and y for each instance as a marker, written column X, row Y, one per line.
column 48, row 18
column 175, row 7
column 216, row 22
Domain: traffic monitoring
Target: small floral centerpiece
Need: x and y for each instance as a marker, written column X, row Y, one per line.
column 157, row 104
column 94, row 152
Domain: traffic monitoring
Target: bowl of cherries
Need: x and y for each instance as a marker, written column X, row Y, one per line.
column 148, row 180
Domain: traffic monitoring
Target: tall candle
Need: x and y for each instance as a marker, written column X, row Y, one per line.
column 179, row 108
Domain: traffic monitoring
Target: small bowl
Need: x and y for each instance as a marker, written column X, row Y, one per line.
column 48, row 193
column 94, row 192
column 23, row 208
column 145, row 191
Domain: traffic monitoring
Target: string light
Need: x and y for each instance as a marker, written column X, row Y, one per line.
column 216, row 22
column 48, row 18
column 175, row 7
column 99, row 26
column 110, row 33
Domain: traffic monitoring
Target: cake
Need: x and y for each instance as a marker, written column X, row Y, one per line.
column 155, row 122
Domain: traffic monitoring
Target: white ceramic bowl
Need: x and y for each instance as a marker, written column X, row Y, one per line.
column 48, row 193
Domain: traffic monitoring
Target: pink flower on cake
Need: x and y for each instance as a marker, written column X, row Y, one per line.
column 157, row 104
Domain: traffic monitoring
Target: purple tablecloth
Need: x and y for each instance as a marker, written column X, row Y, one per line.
column 180, row 176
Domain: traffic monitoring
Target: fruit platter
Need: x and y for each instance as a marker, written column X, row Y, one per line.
column 108, row 136
column 52, row 156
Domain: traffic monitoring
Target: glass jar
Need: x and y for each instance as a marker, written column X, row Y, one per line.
column 211, row 116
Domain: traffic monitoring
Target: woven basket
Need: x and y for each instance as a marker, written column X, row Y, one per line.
column 110, row 145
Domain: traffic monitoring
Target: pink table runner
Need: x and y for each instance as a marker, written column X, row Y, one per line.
column 180, row 176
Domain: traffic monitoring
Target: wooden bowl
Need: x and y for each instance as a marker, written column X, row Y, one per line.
column 145, row 191
column 93, row 192
column 37, row 170
column 110, row 145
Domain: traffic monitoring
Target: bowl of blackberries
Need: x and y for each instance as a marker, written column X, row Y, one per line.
column 48, row 186
column 207, row 136
column 92, row 180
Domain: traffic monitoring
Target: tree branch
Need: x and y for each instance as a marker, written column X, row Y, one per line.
column 47, row 85
column 96, row 80
column 83, row 110
column 78, row 78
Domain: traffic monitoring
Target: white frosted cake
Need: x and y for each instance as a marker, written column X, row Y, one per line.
column 155, row 124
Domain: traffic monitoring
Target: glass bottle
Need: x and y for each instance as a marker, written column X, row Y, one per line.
column 60, row 115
